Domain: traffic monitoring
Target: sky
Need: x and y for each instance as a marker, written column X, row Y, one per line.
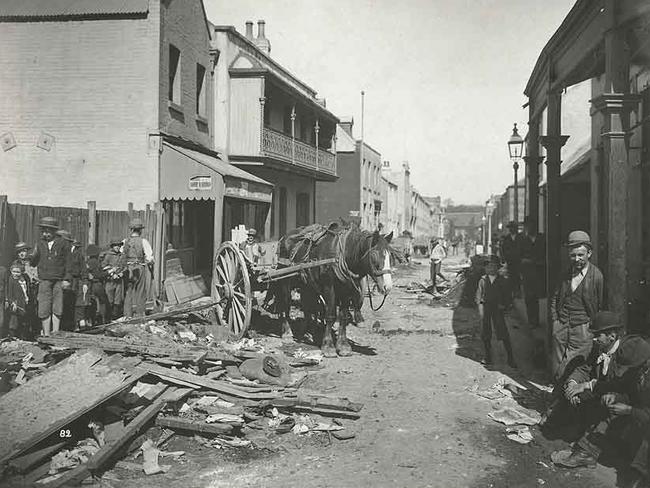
column 443, row 79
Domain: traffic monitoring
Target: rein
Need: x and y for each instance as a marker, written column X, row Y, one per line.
column 370, row 298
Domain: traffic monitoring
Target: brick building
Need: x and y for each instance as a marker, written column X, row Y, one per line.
column 357, row 193
column 111, row 101
column 271, row 124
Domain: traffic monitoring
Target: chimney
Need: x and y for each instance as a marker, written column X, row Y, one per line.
column 249, row 30
column 346, row 124
column 261, row 41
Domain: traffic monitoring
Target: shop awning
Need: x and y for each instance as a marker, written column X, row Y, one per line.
column 186, row 174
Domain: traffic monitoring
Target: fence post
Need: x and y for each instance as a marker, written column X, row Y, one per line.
column 159, row 249
column 3, row 226
column 92, row 222
column 130, row 210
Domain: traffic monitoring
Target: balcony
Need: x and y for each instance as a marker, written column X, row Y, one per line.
column 279, row 146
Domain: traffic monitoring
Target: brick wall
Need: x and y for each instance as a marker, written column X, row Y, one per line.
column 183, row 25
column 92, row 86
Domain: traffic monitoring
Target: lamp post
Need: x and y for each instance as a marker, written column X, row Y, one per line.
column 484, row 233
column 489, row 209
column 515, row 148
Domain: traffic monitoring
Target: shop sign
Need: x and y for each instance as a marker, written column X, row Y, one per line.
column 201, row 183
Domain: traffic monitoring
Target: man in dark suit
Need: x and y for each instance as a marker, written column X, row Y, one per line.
column 577, row 299
column 511, row 254
column 52, row 258
column 533, row 270
column 609, row 367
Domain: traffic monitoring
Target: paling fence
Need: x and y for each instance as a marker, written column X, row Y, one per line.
column 19, row 222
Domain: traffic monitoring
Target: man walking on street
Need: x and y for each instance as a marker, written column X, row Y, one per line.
column 577, row 299
column 437, row 254
column 139, row 259
column 52, row 258
column 511, row 250
column 533, row 257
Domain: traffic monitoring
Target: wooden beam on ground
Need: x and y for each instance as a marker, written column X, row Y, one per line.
column 24, row 463
column 106, row 453
column 325, row 412
column 215, row 385
column 178, row 423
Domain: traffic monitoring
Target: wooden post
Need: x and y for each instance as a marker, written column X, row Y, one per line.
column 533, row 161
column 3, row 229
column 92, row 222
column 623, row 268
column 159, row 249
column 553, row 143
column 130, row 210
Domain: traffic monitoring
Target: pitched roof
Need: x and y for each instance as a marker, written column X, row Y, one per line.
column 45, row 9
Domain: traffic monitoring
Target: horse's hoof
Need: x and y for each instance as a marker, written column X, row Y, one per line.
column 329, row 352
column 344, row 351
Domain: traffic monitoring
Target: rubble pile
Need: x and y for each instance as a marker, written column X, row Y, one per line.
column 75, row 405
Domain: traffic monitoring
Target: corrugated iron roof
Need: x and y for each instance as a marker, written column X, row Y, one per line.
column 21, row 9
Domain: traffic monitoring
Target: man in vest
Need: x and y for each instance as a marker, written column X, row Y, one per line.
column 53, row 261
column 138, row 255
column 577, row 299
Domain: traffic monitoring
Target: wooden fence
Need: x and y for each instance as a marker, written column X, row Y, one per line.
column 19, row 222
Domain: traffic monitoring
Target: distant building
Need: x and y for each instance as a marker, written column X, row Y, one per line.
column 357, row 194
column 464, row 221
column 390, row 212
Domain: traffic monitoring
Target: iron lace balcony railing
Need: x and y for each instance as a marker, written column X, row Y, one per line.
column 279, row 146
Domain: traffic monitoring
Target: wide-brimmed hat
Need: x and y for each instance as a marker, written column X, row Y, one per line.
column 48, row 223
column 251, row 232
column 116, row 240
column 633, row 352
column 604, row 321
column 271, row 366
column 65, row 235
column 578, row 238
column 136, row 223
column 22, row 246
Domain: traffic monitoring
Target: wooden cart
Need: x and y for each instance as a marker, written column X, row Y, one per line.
column 235, row 279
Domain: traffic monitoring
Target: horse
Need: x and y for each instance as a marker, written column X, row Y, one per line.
column 337, row 286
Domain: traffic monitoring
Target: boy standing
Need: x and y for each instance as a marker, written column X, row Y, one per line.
column 492, row 298
column 437, row 254
column 113, row 265
column 16, row 302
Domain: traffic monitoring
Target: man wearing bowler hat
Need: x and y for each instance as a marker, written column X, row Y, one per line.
column 52, row 258
column 611, row 366
column 577, row 299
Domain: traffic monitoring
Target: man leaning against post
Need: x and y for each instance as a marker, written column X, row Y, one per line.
column 52, row 258
column 577, row 299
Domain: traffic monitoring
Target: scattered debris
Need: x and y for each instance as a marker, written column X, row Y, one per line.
column 514, row 416
column 520, row 434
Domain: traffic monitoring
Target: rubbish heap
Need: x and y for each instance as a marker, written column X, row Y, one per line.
column 74, row 405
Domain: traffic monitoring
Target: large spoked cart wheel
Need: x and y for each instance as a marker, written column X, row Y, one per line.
column 231, row 288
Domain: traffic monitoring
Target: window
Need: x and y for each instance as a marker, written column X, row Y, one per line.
column 174, row 75
column 302, row 209
column 201, row 91
column 286, row 120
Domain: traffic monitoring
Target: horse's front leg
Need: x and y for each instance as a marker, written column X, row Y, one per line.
column 285, row 307
column 342, row 344
column 327, row 345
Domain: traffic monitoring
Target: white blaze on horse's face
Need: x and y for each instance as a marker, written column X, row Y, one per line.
column 385, row 280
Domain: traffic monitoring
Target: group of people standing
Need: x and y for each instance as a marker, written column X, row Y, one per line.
column 55, row 285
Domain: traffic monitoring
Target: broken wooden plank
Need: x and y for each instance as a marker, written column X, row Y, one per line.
column 75, row 476
column 325, row 412
column 51, row 401
column 188, row 425
column 215, row 385
column 102, row 456
column 26, row 462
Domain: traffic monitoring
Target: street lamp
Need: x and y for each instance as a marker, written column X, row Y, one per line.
column 490, row 209
column 515, row 148
column 483, row 234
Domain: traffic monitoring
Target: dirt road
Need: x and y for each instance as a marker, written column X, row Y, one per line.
column 422, row 424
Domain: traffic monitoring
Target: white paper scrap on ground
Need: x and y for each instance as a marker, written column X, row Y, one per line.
column 520, row 434
column 513, row 416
